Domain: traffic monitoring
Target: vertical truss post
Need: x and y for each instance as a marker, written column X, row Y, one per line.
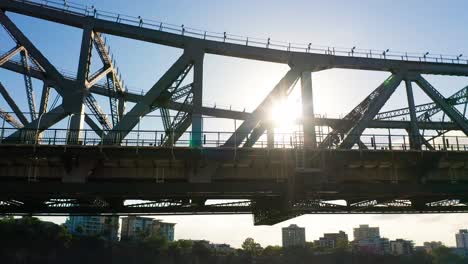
column 44, row 98
column 308, row 120
column 197, row 89
column 28, row 84
column 415, row 138
column 75, row 102
column 270, row 135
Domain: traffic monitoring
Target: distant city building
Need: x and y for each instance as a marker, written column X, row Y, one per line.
column 401, row 247
column 221, row 249
column 365, row 232
column 105, row 226
column 293, row 235
column 430, row 246
column 378, row 245
column 462, row 239
column 138, row 228
column 367, row 239
column 331, row 240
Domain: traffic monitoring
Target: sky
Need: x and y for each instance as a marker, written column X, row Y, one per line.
column 413, row 26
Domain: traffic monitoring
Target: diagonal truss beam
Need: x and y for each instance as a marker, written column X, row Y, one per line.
column 241, row 133
column 95, row 127
column 10, row 119
column 10, row 54
column 22, row 40
column 114, row 82
column 375, row 103
column 439, row 99
column 352, row 117
column 460, row 97
column 97, row 76
column 144, row 106
column 223, row 113
column 42, row 123
column 63, row 85
column 13, row 105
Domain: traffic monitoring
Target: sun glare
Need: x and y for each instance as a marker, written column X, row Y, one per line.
column 285, row 113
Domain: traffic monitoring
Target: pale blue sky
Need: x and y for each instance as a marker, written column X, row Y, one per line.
column 416, row 26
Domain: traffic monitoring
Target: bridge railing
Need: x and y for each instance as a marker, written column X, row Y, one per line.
column 211, row 139
column 268, row 43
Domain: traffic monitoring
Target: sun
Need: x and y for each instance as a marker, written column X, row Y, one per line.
column 285, row 113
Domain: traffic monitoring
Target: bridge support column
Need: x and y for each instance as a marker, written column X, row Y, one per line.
column 74, row 101
column 197, row 88
column 415, row 139
column 308, row 119
column 270, row 135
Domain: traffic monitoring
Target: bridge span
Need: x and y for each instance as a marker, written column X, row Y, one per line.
column 72, row 157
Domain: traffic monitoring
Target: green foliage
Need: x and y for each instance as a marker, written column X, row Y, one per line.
column 181, row 246
column 201, row 249
column 272, row 251
column 444, row 255
column 251, row 247
column 156, row 242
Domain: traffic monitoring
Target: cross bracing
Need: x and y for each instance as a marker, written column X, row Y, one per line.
column 76, row 118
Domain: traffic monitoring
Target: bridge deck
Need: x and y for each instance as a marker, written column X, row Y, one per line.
column 93, row 179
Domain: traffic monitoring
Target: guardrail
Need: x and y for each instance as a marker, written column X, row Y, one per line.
column 268, row 43
column 211, row 139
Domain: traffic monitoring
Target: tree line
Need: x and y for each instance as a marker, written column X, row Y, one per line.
column 29, row 240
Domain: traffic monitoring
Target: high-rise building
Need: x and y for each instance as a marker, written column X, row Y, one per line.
column 138, row 228
column 104, row 226
column 293, row 235
column 402, row 247
column 462, row 239
column 366, row 232
column 367, row 239
column 332, row 240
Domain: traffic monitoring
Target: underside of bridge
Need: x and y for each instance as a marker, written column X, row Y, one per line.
column 72, row 158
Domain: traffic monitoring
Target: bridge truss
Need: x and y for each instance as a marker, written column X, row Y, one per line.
column 175, row 93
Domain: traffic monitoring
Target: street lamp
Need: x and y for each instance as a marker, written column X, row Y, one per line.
column 385, row 53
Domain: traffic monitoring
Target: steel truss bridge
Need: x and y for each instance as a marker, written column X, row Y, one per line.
column 98, row 161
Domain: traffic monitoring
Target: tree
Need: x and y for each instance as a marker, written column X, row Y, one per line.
column 444, row 255
column 272, row 251
column 201, row 249
column 251, row 247
column 156, row 242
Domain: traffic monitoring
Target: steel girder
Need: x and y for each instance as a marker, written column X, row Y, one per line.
column 375, row 104
column 264, row 212
column 10, row 119
column 281, row 89
column 360, row 116
column 448, row 109
column 9, row 54
column 114, row 82
column 254, row 126
column 224, row 113
column 145, row 105
column 13, row 105
column 311, row 61
column 429, row 109
column 28, row 84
